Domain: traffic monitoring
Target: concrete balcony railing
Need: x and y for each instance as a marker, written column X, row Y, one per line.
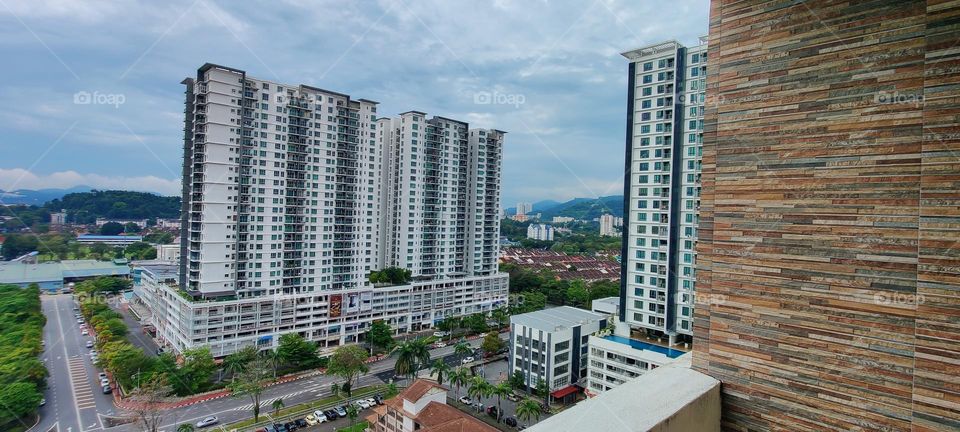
column 670, row 398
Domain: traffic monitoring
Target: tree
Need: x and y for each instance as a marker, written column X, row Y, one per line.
column 462, row 349
column 149, row 397
column 111, row 228
column 335, row 389
column 277, row 404
column 501, row 391
column 195, row 373
column 185, row 427
column 458, row 377
column 492, row 343
column 440, row 368
column 273, row 359
column 479, row 388
column 352, row 413
column 528, row 409
column 346, row 389
column 577, row 294
column 501, row 316
column 297, row 351
column 477, row 323
column 131, row 228
column 450, row 325
column 19, row 399
column 348, row 362
column 380, row 335
column 251, row 384
column 517, row 380
column 543, row 390
column 411, row 356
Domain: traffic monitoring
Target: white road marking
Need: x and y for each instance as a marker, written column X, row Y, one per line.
column 72, row 389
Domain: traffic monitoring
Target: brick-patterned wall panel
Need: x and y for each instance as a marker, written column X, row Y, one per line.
column 828, row 212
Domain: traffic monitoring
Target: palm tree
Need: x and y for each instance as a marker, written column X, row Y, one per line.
column 454, row 326
column 186, row 427
column 411, row 356
column 501, row 316
column 274, row 358
column 458, row 377
column 461, row 350
column 528, row 409
column 277, row 404
column 479, row 388
column 234, row 364
column 501, row 391
column 440, row 368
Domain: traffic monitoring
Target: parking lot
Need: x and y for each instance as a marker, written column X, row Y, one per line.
column 495, row 372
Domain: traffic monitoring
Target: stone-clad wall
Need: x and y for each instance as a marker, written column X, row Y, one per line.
column 829, row 255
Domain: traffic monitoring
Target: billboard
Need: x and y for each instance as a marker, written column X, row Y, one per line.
column 336, row 303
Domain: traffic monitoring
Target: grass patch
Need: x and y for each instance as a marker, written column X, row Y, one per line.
column 359, row 427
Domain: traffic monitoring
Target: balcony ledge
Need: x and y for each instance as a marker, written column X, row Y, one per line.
column 670, row 398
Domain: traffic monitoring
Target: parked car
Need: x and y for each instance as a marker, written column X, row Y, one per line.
column 465, row 400
column 311, row 420
column 107, row 389
column 440, row 334
column 84, row 333
column 212, row 420
column 439, row 345
column 104, row 382
column 89, row 344
column 371, row 402
column 102, row 375
column 361, row 404
column 466, row 360
column 478, row 405
column 320, row 416
column 43, row 401
column 341, row 411
column 510, row 421
column 300, row 423
column 291, row 426
column 513, row 397
column 379, row 398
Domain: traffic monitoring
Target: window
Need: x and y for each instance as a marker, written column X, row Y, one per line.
column 648, row 66
column 695, row 58
column 647, row 79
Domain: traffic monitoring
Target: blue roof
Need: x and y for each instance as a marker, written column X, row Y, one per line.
column 635, row 344
column 109, row 237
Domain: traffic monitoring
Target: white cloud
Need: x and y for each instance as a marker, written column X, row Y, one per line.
column 19, row 178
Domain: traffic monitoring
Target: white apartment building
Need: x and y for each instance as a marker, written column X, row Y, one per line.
column 663, row 152
column 540, row 232
column 562, row 219
column 613, row 360
column 551, row 345
column 296, row 194
column 524, row 208
column 607, row 224
column 168, row 252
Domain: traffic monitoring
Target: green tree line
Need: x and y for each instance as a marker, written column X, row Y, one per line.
column 22, row 375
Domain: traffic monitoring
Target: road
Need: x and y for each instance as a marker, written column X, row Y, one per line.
column 74, row 397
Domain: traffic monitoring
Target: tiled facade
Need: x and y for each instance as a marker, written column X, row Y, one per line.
column 829, row 233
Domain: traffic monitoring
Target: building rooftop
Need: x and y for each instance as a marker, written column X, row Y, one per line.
column 109, row 237
column 557, row 318
column 640, row 345
column 20, row 273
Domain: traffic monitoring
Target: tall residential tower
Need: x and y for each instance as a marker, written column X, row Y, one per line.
column 662, row 196
column 293, row 195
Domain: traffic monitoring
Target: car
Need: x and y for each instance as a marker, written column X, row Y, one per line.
column 371, row 402
column 466, row 401
column 510, row 421
column 379, row 398
column 43, row 401
column 106, row 389
column 513, row 397
column 84, row 333
column 89, row 344
column 468, row 359
column 102, row 375
column 291, row 425
column 440, row 334
column 478, row 405
column 311, row 420
column 209, row 421
column 79, row 320
column 104, row 381
column 300, row 423
column 341, row 411
column 361, row 404
column 439, row 345
column 277, row 427
column 331, row 414
column 320, row 416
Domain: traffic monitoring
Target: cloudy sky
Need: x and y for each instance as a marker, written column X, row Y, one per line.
column 551, row 70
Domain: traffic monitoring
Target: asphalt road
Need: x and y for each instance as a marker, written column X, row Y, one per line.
column 74, row 397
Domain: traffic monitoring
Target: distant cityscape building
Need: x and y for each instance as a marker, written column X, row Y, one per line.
column 58, row 218
column 615, row 359
column 607, row 224
column 519, row 217
column 540, row 232
column 293, row 195
column 53, row 276
column 142, row 223
column 664, row 146
column 168, row 252
column 550, row 344
column 524, row 208
column 562, row 219
column 563, row 266
column 168, row 223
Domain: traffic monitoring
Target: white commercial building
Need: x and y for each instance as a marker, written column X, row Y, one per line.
column 613, row 360
column 562, row 219
column 540, row 232
column 551, row 345
column 663, row 153
column 168, row 252
column 609, row 306
column 293, row 195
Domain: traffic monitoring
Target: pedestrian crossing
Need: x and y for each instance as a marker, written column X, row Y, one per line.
column 82, row 392
column 265, row 404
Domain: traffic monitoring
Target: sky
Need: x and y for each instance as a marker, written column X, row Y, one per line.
column 92, row 92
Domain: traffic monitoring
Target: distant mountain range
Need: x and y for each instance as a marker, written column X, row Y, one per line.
column 38, row 197
column 578, row 208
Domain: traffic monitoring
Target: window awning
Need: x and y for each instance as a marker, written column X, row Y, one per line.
column 566, row 391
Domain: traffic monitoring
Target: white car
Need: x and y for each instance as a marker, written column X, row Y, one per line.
column 467, row 360
column 104, row 382
column 465, row 400
column 440, row 334
column 319, row 416
column 89, row 344
column 371, row 402
column 212, row 420
column 362, row 404
column 102, row 375
column 84, row 333
column 440, row 344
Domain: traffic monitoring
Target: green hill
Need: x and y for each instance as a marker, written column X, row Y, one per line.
column 586, row 208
